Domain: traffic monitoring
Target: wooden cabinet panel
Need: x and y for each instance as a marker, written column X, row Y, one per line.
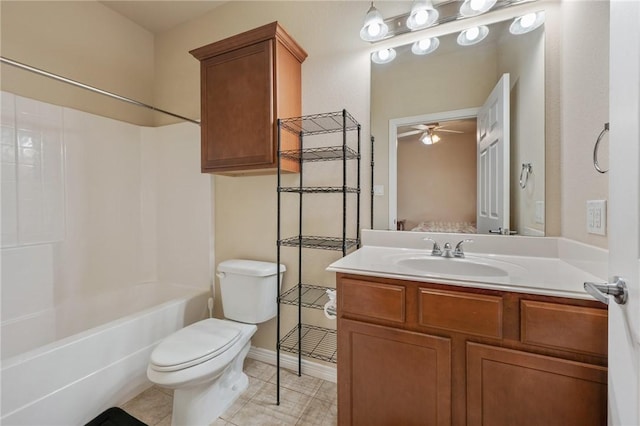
column 508, row 387
column 237, row 87
column 247, row 82
column 388, row 376
column 373, row 300
column 462, row 312
column 572, row 328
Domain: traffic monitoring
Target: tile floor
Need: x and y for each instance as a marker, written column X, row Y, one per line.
column 303, row 401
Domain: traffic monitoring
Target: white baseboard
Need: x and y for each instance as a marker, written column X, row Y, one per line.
column 310, row 368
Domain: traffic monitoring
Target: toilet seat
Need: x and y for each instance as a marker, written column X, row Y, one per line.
column 194, row 345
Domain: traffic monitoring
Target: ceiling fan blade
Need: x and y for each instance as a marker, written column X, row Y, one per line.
column 450, row 131
column 412, row 132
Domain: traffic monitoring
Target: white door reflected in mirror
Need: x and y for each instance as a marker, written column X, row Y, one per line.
column 493, row 161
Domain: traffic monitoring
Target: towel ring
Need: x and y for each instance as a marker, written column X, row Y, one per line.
column 595, row 149
column 527, row 169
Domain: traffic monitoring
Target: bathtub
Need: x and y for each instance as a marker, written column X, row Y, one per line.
column 66, row 365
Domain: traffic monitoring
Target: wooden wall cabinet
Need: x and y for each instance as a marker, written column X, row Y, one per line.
column 420, row 353
column 247, row 81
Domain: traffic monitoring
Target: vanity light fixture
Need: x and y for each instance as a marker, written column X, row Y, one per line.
column 383, row 56
column 425, row 46
column 422, row 15
column 526, row 23
column 429, row 138
column 473, row 35
column 374, row 28
column 476, row 7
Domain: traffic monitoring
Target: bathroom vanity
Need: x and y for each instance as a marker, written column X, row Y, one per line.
column 438, row 348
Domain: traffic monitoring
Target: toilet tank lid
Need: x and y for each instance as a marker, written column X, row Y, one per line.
column 252, row 268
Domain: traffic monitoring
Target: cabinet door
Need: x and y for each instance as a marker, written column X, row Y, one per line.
column 507, row 387
column 388, row 376
column 238, row 109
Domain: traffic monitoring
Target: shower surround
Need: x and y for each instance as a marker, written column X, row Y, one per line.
column 93, row 208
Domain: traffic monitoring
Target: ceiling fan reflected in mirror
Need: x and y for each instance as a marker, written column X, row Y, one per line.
column 428, row 132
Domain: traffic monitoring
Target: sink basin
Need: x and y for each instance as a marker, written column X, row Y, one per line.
column 470, row 267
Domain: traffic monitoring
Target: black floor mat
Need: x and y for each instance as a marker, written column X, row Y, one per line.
column 115, row 416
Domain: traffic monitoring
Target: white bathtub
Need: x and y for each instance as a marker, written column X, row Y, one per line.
column 66, row 365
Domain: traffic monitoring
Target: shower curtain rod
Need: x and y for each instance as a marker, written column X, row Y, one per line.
column 90, row 88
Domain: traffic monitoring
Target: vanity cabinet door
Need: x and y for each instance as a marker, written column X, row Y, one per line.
column 509, row 387
column 388, row 376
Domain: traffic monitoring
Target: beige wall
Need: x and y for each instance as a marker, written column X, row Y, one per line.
column 437, row 182
column 80, row 40
column 86, row 41
column 585, row 109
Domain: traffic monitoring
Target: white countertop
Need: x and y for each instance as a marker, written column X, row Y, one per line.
column 535, row 274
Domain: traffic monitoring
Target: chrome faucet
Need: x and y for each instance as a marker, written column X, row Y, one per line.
column 446, row 250
column 435, row 251
column 458, row 250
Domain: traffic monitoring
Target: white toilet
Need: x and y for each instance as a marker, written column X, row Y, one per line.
column 203, row 362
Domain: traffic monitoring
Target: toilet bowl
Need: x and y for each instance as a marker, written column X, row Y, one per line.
column 203, row 362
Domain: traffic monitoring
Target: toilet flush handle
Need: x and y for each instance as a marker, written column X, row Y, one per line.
column 220, row 275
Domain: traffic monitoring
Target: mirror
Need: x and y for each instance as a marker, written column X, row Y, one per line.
column 433, row 187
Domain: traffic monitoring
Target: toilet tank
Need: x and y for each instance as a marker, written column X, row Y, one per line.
column 248, row 289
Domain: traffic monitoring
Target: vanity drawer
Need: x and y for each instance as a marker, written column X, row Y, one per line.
column 469, row 313
column 373, row 300
column 572, row 328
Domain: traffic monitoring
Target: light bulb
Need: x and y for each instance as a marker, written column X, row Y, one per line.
column 528, row 20
column 424, row 44
column 527, row 23
column 435, row 138
column 476, row 7
column 476, row 4
column 472, row 33
column 383, row 56
column 421, row 17
column 373, row 29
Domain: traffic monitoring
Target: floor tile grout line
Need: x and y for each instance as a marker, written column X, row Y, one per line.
column 306, row 396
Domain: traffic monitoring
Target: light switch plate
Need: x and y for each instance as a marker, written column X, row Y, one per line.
column 378, row 190
column 597, row 217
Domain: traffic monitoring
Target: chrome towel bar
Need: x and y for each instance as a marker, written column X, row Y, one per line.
column 527, row 169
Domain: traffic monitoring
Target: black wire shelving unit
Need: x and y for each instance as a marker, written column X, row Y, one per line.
column 305, row 339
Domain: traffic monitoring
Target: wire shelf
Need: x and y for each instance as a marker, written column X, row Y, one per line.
column 326, row 153
column 313, row 296
column 317, row 342
column 318, row 124
column 323, row 243
column 320, row 190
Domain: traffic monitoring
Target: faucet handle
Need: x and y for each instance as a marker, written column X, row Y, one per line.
column 458, row 252
column 435, row 251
